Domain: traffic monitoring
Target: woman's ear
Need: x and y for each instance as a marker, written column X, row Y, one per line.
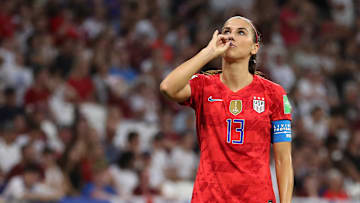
column 255, row 48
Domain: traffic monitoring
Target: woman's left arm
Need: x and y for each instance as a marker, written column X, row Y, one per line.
column 284, row 170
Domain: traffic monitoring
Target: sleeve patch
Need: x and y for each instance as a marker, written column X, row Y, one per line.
column 287, row 105
column 281, row 131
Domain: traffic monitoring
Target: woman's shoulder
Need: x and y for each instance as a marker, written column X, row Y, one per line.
column 272, row 89
column 211, row 72
column 206, row 75
column 268, row 83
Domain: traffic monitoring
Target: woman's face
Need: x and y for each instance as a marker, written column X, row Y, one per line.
column 241, row 35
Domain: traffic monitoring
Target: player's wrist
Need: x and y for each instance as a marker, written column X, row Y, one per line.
column 208, row 53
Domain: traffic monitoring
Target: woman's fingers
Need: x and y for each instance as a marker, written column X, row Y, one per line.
column 215, row 34
column 219, row 43
column 227, row 45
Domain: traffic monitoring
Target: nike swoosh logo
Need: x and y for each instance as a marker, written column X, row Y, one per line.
column 210, row 99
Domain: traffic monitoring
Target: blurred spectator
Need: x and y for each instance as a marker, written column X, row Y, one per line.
column 159, row 161
column 144, row 186
column 9, row 110
column 8, row 145
column 100, row 80
column 310, row 187
column 26, row 186
column 352, row 156
column 93, row 26
column 121, row 69
column 63, row 62
column 317, row 123
column 123, row 174
column 291, row 21
column 8, row 51
column 6, row 19
column 313, row 90
column 282, row 73
column 183, row 158
column 133, row 146
column 41, row 51
column 343, row 12
column 145, row 130
column 18, row 76
column 54, row 182
column 38, row 93
column 80, row 81
column 28, row 156
column 143, row 102
column 71, row 165
column 3, row 182
column 307, row 59
column 352, row 107
column 101, row 188
column 335, row 183
column 112, row 152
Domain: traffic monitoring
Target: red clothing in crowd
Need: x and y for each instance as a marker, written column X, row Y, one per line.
column 290, row 34
column 7, row 26
column 36, row 96
column 340, row 195
column 166, row 49
column 84, row 87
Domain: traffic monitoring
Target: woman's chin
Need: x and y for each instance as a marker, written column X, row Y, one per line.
column 230, row 55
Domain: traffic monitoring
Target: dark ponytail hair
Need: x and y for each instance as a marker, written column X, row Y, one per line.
column 252, row 64
column 252, row 61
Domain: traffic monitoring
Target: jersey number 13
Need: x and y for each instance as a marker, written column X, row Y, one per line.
column 239, row 130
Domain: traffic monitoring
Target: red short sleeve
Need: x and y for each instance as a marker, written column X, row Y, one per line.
column 196, row 84
column 280, row 106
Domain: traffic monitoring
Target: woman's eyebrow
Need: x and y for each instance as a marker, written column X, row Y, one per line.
column 243, row 28
column 240, row 28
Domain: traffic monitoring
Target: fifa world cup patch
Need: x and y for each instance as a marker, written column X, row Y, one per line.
column 287, row 105
column 259, row 104
column 235, row 107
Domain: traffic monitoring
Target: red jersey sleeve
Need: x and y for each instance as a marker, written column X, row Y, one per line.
column 280, row 106
column 196, row 84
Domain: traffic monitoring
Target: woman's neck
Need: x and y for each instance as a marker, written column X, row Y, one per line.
column 236, row 75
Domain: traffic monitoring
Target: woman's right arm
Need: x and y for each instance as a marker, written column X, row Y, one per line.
column 176, row 85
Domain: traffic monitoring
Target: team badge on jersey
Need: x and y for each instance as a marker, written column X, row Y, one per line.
column 235, row 107
column 259, row 104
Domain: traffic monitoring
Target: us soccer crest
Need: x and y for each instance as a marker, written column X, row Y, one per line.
column 235, row 107
column 259, row 104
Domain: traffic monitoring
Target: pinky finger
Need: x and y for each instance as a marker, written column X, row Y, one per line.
column 215, row 33
column 227, row 45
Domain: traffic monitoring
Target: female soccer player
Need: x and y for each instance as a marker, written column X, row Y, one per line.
column 238, row 116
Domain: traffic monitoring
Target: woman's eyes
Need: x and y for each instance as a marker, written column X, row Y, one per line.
column 240, row 32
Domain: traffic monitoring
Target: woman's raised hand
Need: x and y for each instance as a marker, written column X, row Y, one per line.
column 218, row 44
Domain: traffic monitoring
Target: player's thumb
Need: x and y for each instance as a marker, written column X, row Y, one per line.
column 226, row 46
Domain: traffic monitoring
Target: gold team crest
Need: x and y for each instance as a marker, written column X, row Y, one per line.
column 235, row 107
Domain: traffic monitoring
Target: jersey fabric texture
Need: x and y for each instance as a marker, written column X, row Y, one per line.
column 234, row 135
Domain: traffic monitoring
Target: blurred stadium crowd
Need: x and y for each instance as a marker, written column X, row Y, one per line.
column 81, row 113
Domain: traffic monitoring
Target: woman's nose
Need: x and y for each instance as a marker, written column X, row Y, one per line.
column 230, row 37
